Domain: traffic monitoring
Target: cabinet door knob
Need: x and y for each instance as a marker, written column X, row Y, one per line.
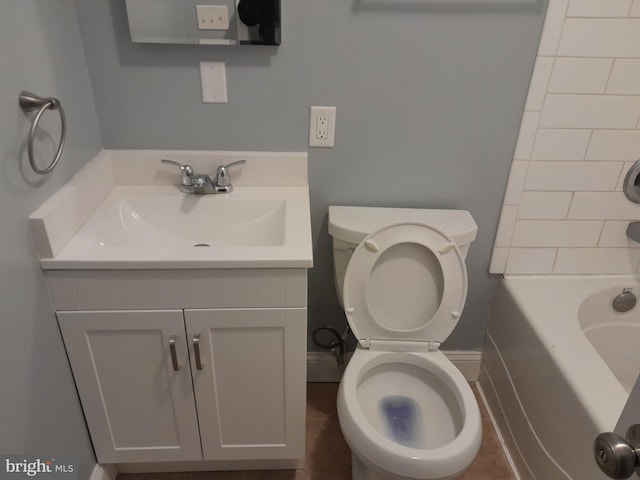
column 196, row 351
column 174, row 355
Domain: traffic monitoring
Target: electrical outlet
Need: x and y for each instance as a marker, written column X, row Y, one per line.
column 212, row 17
column 322, row 125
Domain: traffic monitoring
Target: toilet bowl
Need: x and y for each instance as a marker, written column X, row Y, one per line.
column 405, row 410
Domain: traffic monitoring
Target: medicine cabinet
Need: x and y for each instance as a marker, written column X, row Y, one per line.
column 205, row 22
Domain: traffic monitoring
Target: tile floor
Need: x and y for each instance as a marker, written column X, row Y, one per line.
column 328, row 457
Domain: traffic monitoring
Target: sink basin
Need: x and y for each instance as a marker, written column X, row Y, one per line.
column 159, row 217
column 103, row 219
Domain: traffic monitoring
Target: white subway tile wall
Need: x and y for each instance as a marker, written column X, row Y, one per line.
column 544, row 205
column 564, row 211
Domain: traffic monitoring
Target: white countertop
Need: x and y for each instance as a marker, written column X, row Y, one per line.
column 119, row 211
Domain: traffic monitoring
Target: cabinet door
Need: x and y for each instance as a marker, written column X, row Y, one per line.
column 138, row 407
column 251, row 384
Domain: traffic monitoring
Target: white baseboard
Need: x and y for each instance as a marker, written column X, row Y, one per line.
column 323, row 367
column 467, row 361
column 104, row 472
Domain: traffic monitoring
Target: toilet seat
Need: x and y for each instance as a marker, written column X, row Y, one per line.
column 406, row 282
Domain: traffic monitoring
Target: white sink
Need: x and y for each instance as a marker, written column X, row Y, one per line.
column 155, row 225
column 143, row 217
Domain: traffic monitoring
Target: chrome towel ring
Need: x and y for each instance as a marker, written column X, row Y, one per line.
column 28, row 102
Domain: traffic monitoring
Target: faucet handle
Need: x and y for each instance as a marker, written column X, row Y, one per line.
column 222, row 173
column 185, row 170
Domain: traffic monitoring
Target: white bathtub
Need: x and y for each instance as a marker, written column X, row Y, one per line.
column 558, row 365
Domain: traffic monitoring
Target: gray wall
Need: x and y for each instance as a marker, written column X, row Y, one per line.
column 41, row 51
column 429, row 96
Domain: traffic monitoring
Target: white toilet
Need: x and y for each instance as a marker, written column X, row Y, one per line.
column 405, row 410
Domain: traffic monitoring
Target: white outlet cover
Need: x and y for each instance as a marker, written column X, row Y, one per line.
column 214, row 82
column 328, row 140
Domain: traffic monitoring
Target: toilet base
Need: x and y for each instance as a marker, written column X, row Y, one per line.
column 361, row 471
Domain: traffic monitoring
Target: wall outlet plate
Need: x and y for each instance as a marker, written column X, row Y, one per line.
column 322, row 126
column 214, row 82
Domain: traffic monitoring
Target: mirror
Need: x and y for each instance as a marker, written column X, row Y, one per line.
column 205, row 22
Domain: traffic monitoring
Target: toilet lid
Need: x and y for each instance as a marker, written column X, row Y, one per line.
column 405, row 282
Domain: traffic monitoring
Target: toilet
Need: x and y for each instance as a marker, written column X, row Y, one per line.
column 405, row 410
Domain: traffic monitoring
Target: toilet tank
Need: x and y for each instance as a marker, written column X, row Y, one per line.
column 350, row 225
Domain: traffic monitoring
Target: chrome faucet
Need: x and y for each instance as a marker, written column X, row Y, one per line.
column 201, row 183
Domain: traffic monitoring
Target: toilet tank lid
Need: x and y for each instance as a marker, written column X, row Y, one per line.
column 352, row 224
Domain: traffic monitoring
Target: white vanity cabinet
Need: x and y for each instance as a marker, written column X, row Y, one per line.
column 185, row 358
column 173, row 389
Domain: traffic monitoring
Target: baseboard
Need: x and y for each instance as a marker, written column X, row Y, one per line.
column 104, row 472
column 323, row 366
column 467, row 361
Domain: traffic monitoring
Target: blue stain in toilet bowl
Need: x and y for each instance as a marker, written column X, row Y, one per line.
column 402, row 417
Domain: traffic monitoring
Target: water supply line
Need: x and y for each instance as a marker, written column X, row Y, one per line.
column 336, row 345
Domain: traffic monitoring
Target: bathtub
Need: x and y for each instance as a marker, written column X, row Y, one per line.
column 558, row 366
